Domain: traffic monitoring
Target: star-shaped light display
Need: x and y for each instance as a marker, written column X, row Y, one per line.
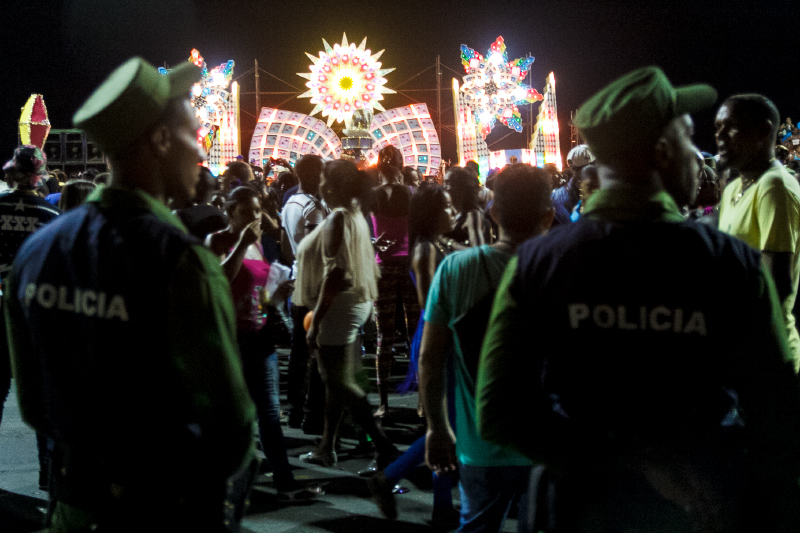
column 345, row 78
column 210, row 97
column 493, row 86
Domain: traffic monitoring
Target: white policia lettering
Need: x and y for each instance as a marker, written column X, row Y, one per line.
column 659, row 318
column 82, row 301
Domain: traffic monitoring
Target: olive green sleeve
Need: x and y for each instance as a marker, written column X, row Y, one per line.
column 203, row 343
column 502, row 382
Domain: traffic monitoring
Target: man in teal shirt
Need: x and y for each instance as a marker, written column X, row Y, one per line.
column 122, row 333
column 491, row 476
column 647, row 352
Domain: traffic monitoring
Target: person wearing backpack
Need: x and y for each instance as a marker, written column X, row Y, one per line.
column 456, row 314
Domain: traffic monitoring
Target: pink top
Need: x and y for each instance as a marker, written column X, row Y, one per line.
column 246, row 288
column 393, row 229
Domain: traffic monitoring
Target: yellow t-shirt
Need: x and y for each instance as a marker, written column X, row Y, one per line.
column 767, row 217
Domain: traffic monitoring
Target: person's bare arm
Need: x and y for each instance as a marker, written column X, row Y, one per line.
column 440, row 450
column 423, row 263
column 271, row 225
column 779, row 265
column 287, row 255
column 232, row 261
column 474, row 223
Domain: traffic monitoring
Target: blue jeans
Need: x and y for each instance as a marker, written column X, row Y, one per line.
column 261, row 373
column 487, row 493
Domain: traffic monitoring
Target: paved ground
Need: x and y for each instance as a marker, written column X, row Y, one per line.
column 345, row 507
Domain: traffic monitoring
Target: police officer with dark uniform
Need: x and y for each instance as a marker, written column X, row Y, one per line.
column 647, row 352
column 122, row 332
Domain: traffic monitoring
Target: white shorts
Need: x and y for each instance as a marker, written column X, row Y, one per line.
column 340, row 324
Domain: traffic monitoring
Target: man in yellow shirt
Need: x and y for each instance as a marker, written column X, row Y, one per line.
column 762, row 205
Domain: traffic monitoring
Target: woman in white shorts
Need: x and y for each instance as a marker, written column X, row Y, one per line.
column 337, row 278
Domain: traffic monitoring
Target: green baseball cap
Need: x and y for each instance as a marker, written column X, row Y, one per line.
column 631, row 113
column 131, row 101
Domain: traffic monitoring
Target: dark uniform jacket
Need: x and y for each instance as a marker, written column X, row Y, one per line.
column 635, row 332
column 122, row 339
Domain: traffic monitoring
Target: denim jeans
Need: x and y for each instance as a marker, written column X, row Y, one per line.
column 261, row 373
column 487, row 493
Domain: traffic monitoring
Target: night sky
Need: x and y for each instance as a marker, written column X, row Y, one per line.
column 64, row 49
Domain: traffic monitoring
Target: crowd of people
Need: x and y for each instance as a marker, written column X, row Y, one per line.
column 611, row 348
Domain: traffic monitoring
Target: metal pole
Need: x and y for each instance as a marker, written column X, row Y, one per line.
column 258, row 95
column 439, row 95
column 530, row 118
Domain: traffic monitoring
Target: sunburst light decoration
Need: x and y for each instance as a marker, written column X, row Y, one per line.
column 344, row 79
column 493, row 86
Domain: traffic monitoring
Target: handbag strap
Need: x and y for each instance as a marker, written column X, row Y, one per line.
column 486, row 270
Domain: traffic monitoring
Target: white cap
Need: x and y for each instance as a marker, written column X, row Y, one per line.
column 580, row 156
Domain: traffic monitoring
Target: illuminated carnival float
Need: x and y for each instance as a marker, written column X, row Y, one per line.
column 216, row 102
column 491, row 92
column 346, row 84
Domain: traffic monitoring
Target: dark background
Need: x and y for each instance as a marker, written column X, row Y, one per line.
column 64, row 49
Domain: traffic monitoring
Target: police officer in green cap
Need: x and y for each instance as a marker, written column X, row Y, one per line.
column 647, row 352
column 122, row 332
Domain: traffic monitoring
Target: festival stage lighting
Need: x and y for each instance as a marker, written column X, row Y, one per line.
column 470, row 144
column 501, row 158
column 545, row 142
column 345, row 78
column 410, row 130
column 289, row 135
